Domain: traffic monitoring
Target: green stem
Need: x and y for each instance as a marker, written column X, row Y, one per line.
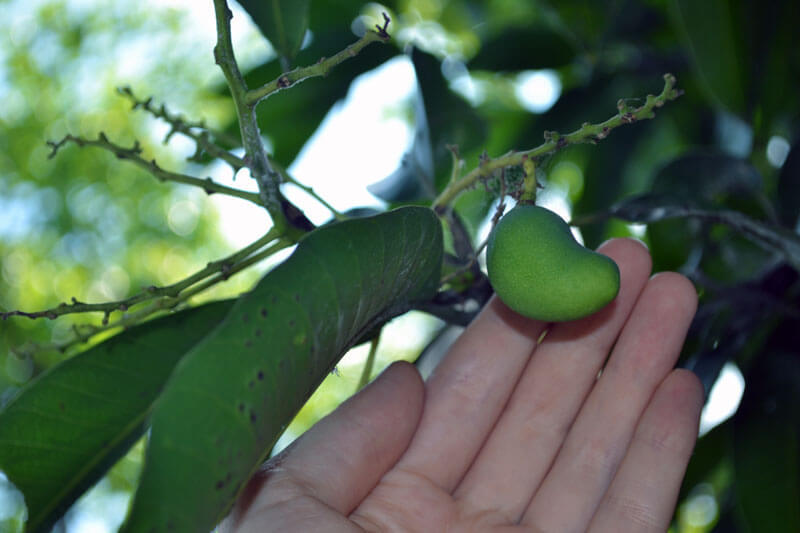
column 321, row 68
column 133, row 155
column 529, row 184
column 167, row 302
column 288, row 178
column 225, row 267
column 369, row 364
column 588, row 133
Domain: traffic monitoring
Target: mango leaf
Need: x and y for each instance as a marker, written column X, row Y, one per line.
column 789, row 188
column 536, row 46
column 766, row 433
column 713, row 40
column 283, row 22
column 726, row 181
column 64, row 429
column 234, row 393
column 649, row 208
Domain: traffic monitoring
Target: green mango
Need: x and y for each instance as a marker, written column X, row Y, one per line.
column 539, row 270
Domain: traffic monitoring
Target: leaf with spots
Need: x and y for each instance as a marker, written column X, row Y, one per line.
column 235, row 392
column 63, row 430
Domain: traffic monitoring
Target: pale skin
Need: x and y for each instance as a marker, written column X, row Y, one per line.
column 508, row 435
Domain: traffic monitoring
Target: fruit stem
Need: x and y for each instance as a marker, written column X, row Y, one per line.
column 528, row 196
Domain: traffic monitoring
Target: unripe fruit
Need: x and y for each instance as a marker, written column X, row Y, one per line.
column 539, row 270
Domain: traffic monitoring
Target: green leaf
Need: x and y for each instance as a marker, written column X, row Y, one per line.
column 232, row 396
column 766, row 444
column 713, row 41
column 536, row 46
column 283, row 22
column 706, row 179
column 789, row 188
column 63, row 430
column 649, row 208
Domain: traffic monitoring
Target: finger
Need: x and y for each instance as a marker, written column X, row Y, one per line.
column 342, row 457
column 525, row 440
column 467, row 391
column 643, row 494
column 645, row 352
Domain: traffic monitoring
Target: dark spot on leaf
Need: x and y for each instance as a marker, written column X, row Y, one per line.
column 257, row 332
column 253, row 418
column 248, row 343
column 263, row 312
column 260, row 375
column 291, row 323
column 245, row 318
column 219, row 484
column 251, row 384
column 274, row 299
column 228, row 477
column 241, row 408
column 297, row 298
column 282, row 364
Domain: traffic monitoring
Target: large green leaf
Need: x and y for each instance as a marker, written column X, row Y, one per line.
column 536, row 46
column 283, row 22
column 711, row 36
column 650, row 208
column 233, row 395
column 767, row 441
column 702, row 179
column 61, row 433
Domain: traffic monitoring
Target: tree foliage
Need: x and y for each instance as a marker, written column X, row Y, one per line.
column 711, row 184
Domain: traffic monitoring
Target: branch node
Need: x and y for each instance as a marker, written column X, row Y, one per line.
column 284, row 82
column 381, row 30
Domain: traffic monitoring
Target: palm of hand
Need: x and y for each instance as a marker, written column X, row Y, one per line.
column 507, row 434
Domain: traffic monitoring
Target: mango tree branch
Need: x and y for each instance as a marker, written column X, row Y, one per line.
column 588, row 133
column 178, row 124
column 133, row 155
column 222, row 268
column 255, row 153
column 321, row 68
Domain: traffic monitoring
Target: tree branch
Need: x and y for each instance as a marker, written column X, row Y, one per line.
column 255, row 153
column 133, row 155
column 554, row 141
column 224, row 268
column 180, row 125
column 321, row 68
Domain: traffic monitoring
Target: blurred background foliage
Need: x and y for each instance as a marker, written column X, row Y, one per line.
column 491, row 76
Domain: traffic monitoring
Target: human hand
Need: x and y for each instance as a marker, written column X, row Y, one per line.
column 508, row 435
